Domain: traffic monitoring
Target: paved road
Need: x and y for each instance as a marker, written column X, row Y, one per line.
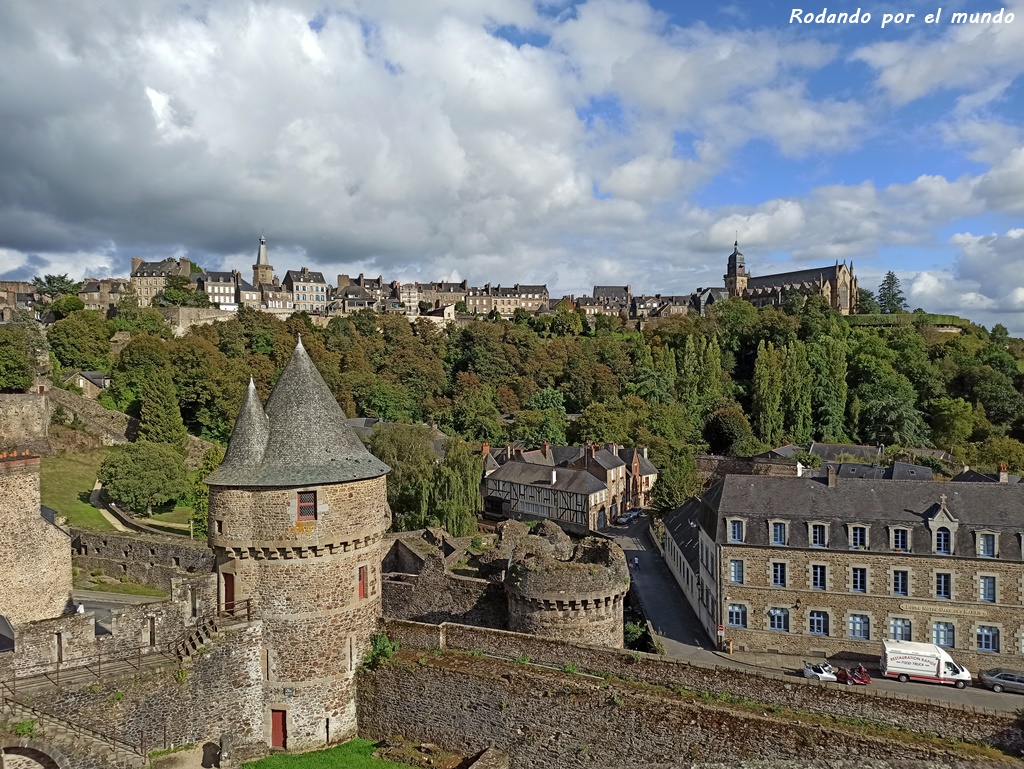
column 679, row 630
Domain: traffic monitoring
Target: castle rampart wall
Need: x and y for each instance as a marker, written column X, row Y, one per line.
column 906, row 711
column 547, row 718
column 24, row 422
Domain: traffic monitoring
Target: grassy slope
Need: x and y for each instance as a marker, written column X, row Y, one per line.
column 66, row 482
column 357, row 754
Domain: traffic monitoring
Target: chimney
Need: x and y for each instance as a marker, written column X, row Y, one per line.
column 1004, row 477
column 136, row 262
column 554, row 476
column 544, row 448
column 831, row 476
column 614, row 449
column 519, row 454
column 485, row 449
column 508, row 451
column 643, row 452
column 591, row 449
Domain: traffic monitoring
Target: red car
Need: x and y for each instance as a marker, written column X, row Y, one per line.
column 851, row 676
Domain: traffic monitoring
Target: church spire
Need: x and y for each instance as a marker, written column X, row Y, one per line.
column 261, row 255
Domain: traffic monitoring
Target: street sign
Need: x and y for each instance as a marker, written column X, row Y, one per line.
column 721, row 631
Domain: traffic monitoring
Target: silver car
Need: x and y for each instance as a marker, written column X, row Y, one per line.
column 999, row 679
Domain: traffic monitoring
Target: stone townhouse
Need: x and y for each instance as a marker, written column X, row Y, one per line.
column 640, row 476
column 819, row 566
column 220, row 288
column 441, row 294
column 103, row 294
column 410, row 295
column 149, row 278
column 605, row 465
column 532, row 298
column 308, row 289
column 483, row 300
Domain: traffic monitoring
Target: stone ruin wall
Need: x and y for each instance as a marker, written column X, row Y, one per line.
column 35, row 580
column 148, row 560
column 713, row 468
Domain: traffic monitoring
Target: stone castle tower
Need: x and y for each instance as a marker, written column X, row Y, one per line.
column 736, row 275
column 262, row 272
column 298, row 510
column 36, row 575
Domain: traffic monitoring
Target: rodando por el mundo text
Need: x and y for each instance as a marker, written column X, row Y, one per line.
column 824, row 16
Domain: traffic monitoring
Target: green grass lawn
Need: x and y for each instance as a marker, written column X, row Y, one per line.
column 177, row 515
column 357, row 754
column 66, row 482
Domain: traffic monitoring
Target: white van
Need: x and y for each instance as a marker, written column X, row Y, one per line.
column 906, row 661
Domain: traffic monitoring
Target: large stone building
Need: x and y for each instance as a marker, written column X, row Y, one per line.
column 826, row 565
column 103, row 293
column 836, row 283
column 298, row 511
column 149, row 278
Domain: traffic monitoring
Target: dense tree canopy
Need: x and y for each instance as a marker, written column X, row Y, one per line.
column 142, row 474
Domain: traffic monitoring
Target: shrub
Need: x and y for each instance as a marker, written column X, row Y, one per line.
column 382, row 649
column 633, row 632
column 27, row 728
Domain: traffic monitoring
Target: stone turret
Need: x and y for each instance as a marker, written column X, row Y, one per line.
column 262, row 272
column 298, row 510
column 561, row 589
column 736, row 275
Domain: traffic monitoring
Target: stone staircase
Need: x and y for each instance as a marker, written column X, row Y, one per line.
column 76, row 739
column 195, row 639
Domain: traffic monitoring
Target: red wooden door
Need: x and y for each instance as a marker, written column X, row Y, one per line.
column 229, row 593
column 278, row 729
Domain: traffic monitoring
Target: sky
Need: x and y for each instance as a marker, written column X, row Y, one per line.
column 502, row 141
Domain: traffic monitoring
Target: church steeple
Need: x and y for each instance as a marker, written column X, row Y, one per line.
column 736, row 274
column 262, row 272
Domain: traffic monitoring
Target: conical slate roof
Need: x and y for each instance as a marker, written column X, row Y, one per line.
column 303, row 439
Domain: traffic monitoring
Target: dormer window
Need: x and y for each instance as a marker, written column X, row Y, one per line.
column 986, row 541
column 859, row 537
column 943, row 541
column 780, row 534
column 736, row 530
column 901, row 540
column 819, row 534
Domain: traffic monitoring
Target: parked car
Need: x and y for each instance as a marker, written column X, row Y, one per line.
column 999, row 680
column 622, row 520
column 634, row 513
column 820, row 671
column 850, row 676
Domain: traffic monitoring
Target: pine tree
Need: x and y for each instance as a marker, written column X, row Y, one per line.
column 890, row 297
column 797, row 381
column 767, row 406
column 160, row 418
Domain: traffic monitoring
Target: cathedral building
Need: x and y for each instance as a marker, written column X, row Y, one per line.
column 837, row 284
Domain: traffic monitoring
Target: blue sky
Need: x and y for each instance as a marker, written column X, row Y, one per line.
column 599, row 142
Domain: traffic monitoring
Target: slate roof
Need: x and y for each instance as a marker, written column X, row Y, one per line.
column 301, row 438
column 973, row 476
column 218, row 277
column 900, row 471
column 646, row 468
column 566, row 479
column 812, row 275
column 167, row 267
column 995, row 507
column 618, row 293
column 308, row 277
column 98, row 378
column 681, row 525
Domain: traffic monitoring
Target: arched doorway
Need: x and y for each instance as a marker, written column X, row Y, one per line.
column 16, row 757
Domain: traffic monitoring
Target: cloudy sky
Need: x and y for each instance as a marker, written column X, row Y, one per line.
column 570, row 143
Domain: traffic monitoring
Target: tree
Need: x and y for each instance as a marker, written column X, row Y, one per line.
column 408, row 450
column 143, row 474
column 455, row 493
column 725, row 429
column 201, row 492
column 178, row 292
column 890, row 297
column 66, row 305
column 827, row 358
column 425, row 306
column 767, row 406
column 81, row 341
column 796, row 393
column 567, row 322
column 460, row 307
column 160, row 417
column 952, row 421
column 676, row 483
column 866, row 302
column 17, row 366
column 54, row 286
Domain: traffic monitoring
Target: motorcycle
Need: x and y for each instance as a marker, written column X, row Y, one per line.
column 851, row 676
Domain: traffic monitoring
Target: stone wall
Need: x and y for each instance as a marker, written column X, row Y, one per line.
column 24, row 422
column 148, row 560
column 711, row 467
column 544, row 718
column 181, row 319
column 114, row 428
column 138, row 629
column 911, row 712
column 436, row 595
column 219, row 693
column 35, row 576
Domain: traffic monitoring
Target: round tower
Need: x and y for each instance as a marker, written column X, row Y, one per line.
column 298, row 510
column 569, row 591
